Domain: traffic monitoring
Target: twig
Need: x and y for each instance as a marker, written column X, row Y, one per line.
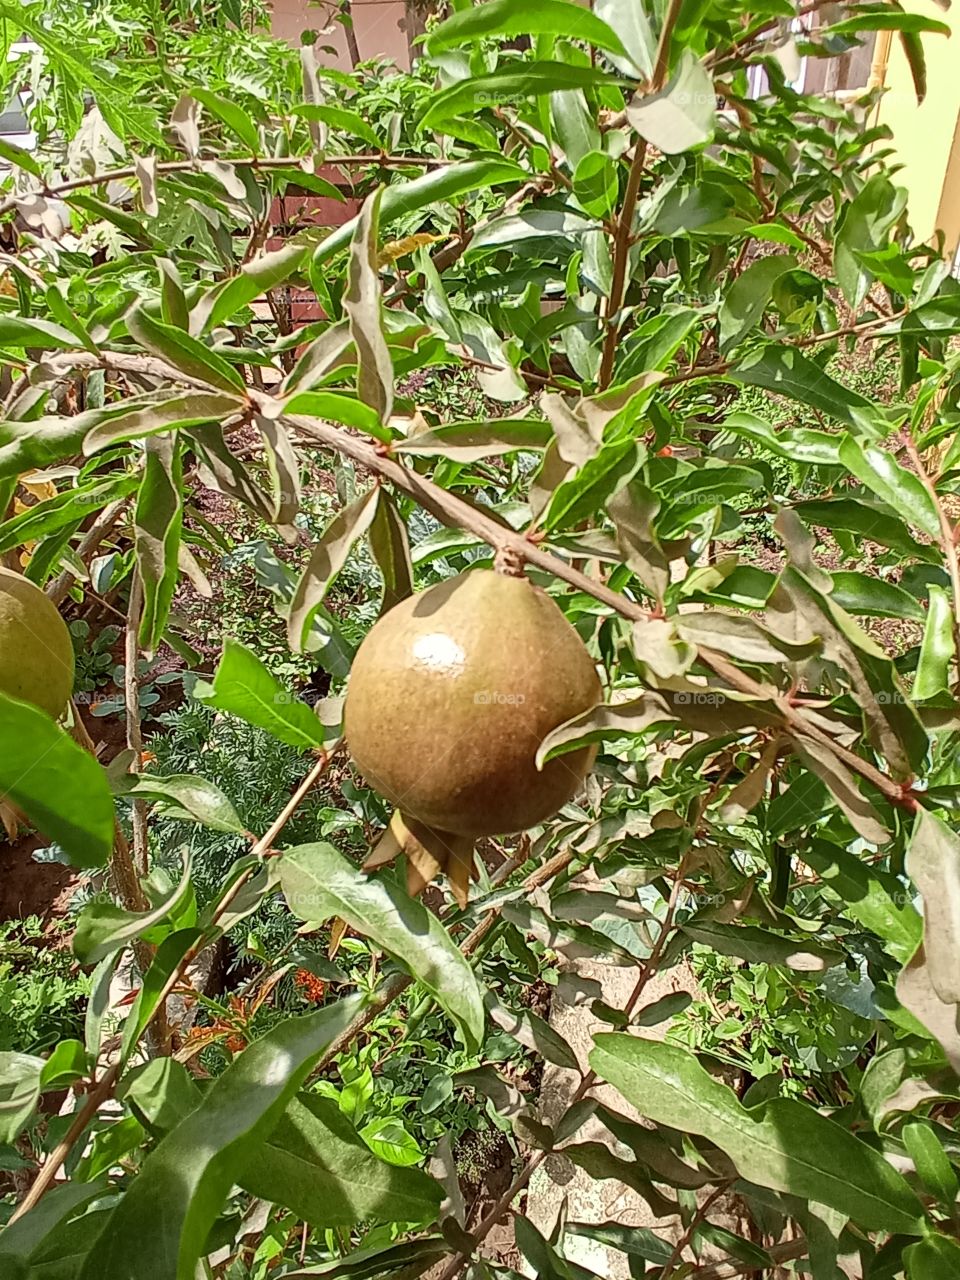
column 699, row 1216
column 380, row 159
column 131, row 696
column 785, row 1252
column 57, row 590
column 623, row 238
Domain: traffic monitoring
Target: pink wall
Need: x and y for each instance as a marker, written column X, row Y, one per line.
column 379, row 27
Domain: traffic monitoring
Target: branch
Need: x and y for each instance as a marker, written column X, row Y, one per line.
column 382, row 159
column 58, row 589
column 623, row 238
column 450, row 509
column 131, row 697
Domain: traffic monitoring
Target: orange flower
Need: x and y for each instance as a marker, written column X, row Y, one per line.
column 313, row 988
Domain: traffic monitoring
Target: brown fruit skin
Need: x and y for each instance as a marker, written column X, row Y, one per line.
column 451, row 694
column 36, row 653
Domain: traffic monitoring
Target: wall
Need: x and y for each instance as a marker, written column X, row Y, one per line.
column 380, row 27
column 926, row 138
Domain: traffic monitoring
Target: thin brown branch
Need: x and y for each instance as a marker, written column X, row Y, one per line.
column 623, row 236
column 785, row 1252
column 131, row 697
column 452, row 510
column 105, row 522
column 378, row 158
column 699, row 1216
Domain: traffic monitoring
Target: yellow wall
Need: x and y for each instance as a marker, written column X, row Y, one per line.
column 926, row 138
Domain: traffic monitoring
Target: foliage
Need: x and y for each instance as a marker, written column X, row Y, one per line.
column 620, row 244
column 43, row 991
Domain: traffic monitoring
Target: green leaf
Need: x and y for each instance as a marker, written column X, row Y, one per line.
column 885, row 18
column 187, row 409
column 531, row 224
column 316, row 1164
column 20, row 1075
column 471, row 441
column 329, row 555
column 59, row 786
column 186, row 798
column 573, row 941
column 782, row 1144
column 67, row 508
column 533, row 1033
column 938, row 650
column 864, row 228
column 68, row 1062
column 761, row 946
column 103, row 928
column 192, row 1170
column 362, row 303
column 254, row 278
column 591, row 485
column 913, row 51
column 387, row 1138
column 746, row 299
column 574, row 125
column 505, row 19
column 185, row 353
column 439, row 184
column 596, row 183
column 39, row 335
column 232, row 115
column 871, row 896
column 682, row 115
column 631, row 21
column 318, row 884
column 855, row 516
column 790, row 373
column 863, row 593
column 337, row 407
column 341, row 119
column 510, row 81
column 245, row 688
column 931, row 1162
column 901, row 489
column 21, row 159
column 390, row 548
column 935, row 1258
column 29, row 1238
column 933, row 863
column 156, row 524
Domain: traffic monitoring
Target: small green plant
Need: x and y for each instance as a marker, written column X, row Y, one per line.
column 43, row 990
column 93, row 655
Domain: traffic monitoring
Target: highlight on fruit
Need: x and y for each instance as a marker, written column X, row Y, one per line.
column 450, row 695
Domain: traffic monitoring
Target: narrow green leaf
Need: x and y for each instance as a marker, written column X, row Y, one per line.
column 20, row 1075
column 184, row 352
column 901, row 489
column 790, row 373
column 328, row 557
column 505, row 19
column 337, row 407
column 362, row 303
column 870, row 596
column 938, row 650
column 316, row 1164
column 187, row 409
column 390, row 547
column 318, row 884
column 157, row 523
column 256, row 277
column 58, row 785
column 762, row 946
column 192, row 1170
column 873, row 897
column 66, row 509
column 439, row 184
column 783, row 1144
column 232, row 115
column 186, row 798
column 510, row 81
column 933, row 863
column 245, row 688
column 103, row 928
